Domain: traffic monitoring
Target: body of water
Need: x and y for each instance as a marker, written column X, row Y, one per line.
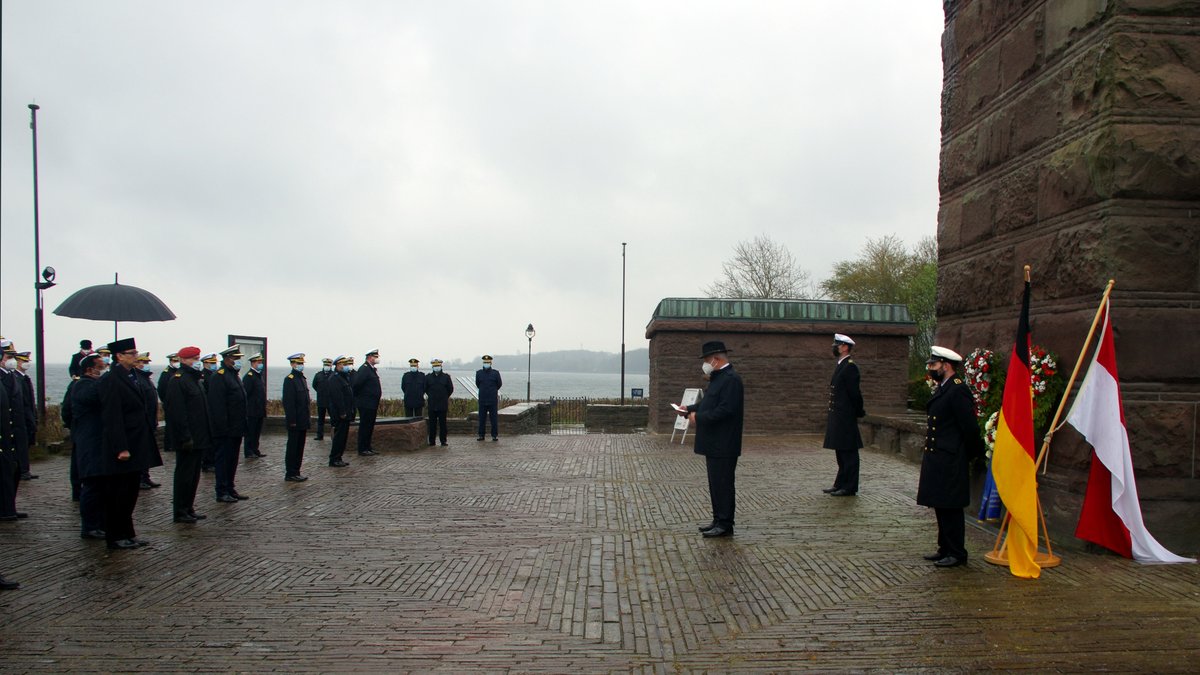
column 544, row 385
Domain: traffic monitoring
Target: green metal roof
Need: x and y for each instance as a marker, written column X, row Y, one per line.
column 780, row 310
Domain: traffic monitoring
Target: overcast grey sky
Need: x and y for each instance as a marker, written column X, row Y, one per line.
column 429, row 177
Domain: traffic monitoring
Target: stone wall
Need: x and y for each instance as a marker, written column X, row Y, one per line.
column 785, row 365
column 1071, row 142
column 615, row 419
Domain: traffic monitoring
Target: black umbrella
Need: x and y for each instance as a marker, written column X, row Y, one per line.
column 114, row 302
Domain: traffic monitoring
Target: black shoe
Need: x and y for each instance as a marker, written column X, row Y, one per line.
column 495, row 438
column 718, row 531
column 445, row 444
column 227, row 499
column 250, row 456
column 123, row 544
column 367, row 453
column 934, row 556
column 238, row 495
column 140, row 542
column 6, row 585
column 318, row 438
column 339, row 463
column 92, row 534
column 842, row 493
column 197, row 516
column 829, row 489
column 705, row 528
column 950, row 561
column 153, row 484
column 296, row 479
column 207, row 468
column 185, row 518
column 145, row 486
column 480, row 438
column 28, row 476
column 431, row 444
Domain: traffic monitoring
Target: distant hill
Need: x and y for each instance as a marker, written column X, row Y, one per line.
column 567, row 361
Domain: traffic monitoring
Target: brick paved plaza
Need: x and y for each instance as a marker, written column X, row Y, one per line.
column 563, row 554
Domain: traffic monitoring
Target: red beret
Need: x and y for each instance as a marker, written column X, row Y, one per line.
column 189, row 353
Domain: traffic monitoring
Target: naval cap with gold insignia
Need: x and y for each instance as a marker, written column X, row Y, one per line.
column 327, row 361
column 343, row 359
column 23, row 356
column 256, row 357
column 234, row 351
column 209, row 358
column 144, row 357
column 844, row 339
column 943, row 354
column 435, row 362
column 414, row 362
column 298, row 357
column 373, row 352
column 7, row 347
column 172, row 356
column 487, row 358
column 104, row 350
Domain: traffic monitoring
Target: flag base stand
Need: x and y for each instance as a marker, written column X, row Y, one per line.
column 1044, row 560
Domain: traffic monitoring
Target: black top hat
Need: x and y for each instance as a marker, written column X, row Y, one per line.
column 122, row 345
column 85, row 344
column 714, row 347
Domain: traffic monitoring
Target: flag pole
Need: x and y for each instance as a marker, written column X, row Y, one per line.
column 1062, row 404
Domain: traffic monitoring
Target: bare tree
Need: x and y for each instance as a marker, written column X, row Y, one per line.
column 762, row 268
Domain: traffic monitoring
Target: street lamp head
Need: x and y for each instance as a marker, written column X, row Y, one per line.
column 48, row 273
column 34, row 106
column 530, row 332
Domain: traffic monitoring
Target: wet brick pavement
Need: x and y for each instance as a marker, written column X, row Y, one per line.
column 563, row 554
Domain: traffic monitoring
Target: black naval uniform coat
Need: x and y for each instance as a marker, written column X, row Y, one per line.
column 318, row 384
column 439, row 387
column 226, row 404
column 187, row 411
column 340, row 396
column 413, row 386
column 26, row 383
column 86, row 427
column 952, row 440
column 166, row 379
column 367, row 389
column 845, row 407
column 296, row 400
column 256, row 394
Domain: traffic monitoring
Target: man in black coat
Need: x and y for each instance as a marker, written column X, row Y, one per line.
column 367, row 393
column 150, row 393
column 322, row 401
column 85, row 348
column 82, row 405
column 164, row 379
column 718, row 421
column 18, row 406
column 10, row 473
column 413, row 386
column 296, row 414
column 488, row 382
column 438, row 386
column 227, row 410
column 127, row 446
column 189, row 426
column 255, row 384
column 209, row 363
column 841, row 424
column 340, row 395
column 952, row 440
column 31, row 422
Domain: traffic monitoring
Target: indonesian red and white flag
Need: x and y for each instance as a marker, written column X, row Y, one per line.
column 1112, row 514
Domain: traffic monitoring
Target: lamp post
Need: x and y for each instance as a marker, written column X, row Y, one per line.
column 622, row 323
column 529, row 333
column 46, row 274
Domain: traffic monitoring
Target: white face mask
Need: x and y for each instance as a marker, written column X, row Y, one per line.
column 24, row 365
column 487, row 366
column 10, row 364
column 412, row 369
column 437, row 369
column 707, row 368
column 298, row 367
column 197, row 365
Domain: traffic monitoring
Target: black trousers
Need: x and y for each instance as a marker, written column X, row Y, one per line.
column 847, row 475
column 321, row 412
column 341, row 431
column 366, row 427
column 120, row 499
column 254, row 427
column 437, row 425
column 187, row 480
column 952, row 532
column 226, row 455
column 721, row 472
column 10, row 477
column 91, row 506
column 21, row 448
column 413, row 410
column 293, row 457
column 487, row 410
column 76, row 482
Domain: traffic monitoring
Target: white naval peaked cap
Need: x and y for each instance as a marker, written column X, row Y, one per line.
column 943, row 354
column 838, row 337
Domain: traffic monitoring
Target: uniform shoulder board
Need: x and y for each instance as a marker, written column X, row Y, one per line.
column 957, row 381
column 220, row 371
column 849, row 360
column 178, row 375
column 291, row 375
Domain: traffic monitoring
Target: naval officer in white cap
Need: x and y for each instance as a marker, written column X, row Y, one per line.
column 841, row 424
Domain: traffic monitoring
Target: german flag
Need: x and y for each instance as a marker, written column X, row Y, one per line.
column 1014, row 464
